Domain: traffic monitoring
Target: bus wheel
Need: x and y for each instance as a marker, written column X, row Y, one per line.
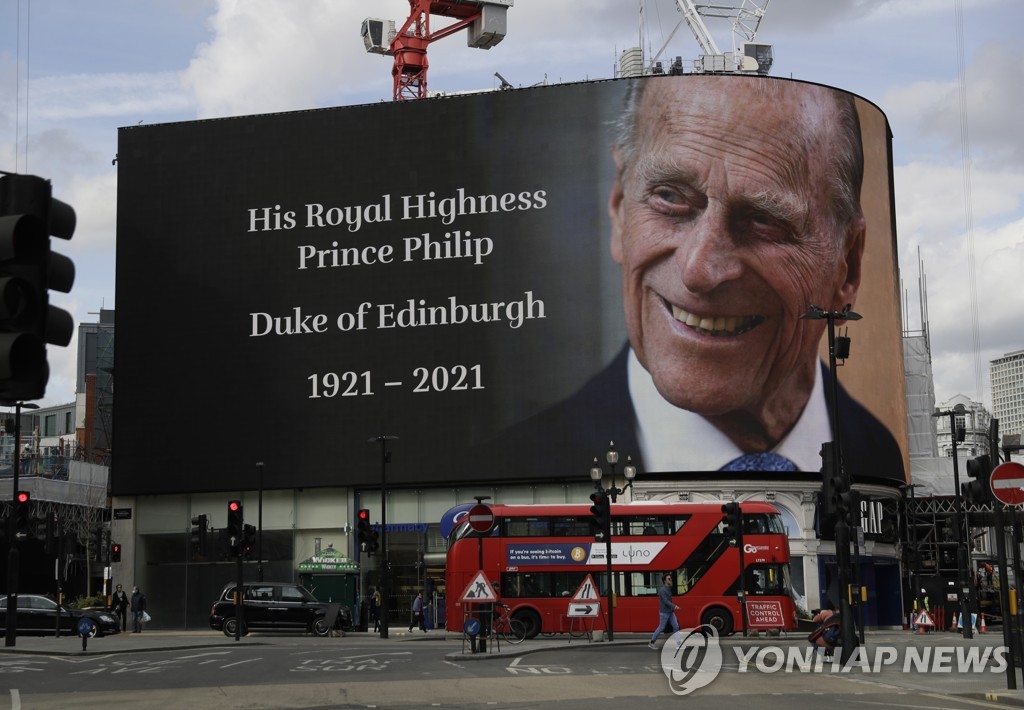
column 719, row 619
column 530, row 620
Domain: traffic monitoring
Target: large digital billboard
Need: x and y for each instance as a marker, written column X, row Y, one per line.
column 507, row 282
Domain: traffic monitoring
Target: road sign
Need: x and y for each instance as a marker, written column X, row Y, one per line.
column 479, row 590
column 1007, row 483
column 481, row 518
column 584, row 609
column 587, row 592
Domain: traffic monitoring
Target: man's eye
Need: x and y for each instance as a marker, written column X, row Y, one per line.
column 765, row 227
column 666, row 198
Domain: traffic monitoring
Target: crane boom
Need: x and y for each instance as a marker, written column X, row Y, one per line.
column 485, row 20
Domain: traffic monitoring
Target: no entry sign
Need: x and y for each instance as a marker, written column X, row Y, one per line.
column 481, row 518
column 1008, row 483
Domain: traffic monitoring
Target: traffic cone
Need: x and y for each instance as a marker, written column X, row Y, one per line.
column 982, row 629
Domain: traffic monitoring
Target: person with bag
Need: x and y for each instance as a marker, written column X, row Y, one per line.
column 138, row 607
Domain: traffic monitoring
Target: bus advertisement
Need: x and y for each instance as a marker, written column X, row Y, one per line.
column 537, row 556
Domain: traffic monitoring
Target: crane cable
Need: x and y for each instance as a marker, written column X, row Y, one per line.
column 965, row 152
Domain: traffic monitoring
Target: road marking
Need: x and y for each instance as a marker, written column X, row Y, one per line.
column 238, row 663
column 15, row 699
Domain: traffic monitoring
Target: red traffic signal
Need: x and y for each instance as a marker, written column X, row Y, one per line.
column 364, row 515
column 22, row 515
column 233, row 505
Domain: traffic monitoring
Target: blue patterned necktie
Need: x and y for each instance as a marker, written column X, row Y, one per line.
column 760, row 462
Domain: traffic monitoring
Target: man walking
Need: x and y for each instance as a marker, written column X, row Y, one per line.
column 138, row 605
column 666, row 610
column 417, row 614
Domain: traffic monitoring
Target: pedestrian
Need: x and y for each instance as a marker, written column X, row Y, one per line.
column 121, row 606
column 138, row 607
column 826, row 635
column 417, row 614
column 666, row 610
column 375, row 609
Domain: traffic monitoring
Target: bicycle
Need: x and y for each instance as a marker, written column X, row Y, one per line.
column 511, row 629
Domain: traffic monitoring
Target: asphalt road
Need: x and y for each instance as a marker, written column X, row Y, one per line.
column 170, row 670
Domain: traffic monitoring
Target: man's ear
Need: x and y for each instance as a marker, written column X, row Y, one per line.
column 615, row 198
column 852, row 261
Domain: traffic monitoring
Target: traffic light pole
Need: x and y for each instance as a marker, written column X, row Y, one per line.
column 12, row 555
column 847, row 632
column 960, row 516
column 385, row 582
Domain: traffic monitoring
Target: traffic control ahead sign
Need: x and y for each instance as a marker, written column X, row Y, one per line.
column 1007, row 482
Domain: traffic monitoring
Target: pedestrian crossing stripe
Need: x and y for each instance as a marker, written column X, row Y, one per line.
column 587, row 591
column 479, row 590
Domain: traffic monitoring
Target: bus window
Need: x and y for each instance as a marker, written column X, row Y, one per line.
column 571, row 527
column 769, row 579
column 526, row 527
column 643, row 584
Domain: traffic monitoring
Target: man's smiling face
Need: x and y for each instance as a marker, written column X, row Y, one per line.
column 721, row 223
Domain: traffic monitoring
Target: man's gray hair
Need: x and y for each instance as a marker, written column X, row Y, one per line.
column 846, row 162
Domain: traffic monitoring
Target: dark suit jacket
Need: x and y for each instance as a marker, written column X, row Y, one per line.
column 562, row 440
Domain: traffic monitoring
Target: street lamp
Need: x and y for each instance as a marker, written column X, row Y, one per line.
column 960, row 515
column 613, row 492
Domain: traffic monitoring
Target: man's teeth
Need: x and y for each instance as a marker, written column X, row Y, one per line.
column 721, row 325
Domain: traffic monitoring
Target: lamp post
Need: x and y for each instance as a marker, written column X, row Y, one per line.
column 12, row 555
column 385, row 459
column 842, row 528
column 960, row 516
column 259, row 529
column 613, row 492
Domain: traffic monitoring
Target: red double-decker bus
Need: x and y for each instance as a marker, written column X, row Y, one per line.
column 537, row 556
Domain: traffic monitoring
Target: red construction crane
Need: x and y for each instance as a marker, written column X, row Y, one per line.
column 485, row 20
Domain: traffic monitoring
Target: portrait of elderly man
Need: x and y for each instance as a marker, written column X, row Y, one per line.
column 735, row 207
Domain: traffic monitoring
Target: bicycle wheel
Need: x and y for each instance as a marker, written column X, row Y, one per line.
column 515, row 631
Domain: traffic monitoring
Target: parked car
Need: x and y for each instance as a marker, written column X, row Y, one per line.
column 276, row 606
column 38, row 615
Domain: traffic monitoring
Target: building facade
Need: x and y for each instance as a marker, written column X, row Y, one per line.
column 1007, row 377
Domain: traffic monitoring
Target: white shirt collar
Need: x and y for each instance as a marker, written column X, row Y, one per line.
column 673, row 439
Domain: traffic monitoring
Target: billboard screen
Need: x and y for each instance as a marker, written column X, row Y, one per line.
column 506, row 282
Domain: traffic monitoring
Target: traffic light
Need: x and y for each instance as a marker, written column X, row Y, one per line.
column 732, row 518
column 363, row 530
column 601, row 510
column 115, row 552
column 978, row 490
column 99, row 541
column 197, row 534
column 28, row 269
column 236, row 525
column 22, row 515
column 248, row 536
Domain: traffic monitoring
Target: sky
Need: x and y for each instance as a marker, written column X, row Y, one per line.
column 72, row 73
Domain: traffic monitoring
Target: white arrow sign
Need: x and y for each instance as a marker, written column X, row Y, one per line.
column 584, row 609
